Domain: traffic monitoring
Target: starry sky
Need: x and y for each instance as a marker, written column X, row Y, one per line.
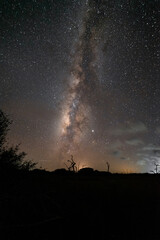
column 82, row 78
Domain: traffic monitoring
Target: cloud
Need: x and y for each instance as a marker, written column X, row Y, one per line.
column 116, row 144
column 149, row 156
column 138, row 127
column 125, row 158
column 134, row 142
column 116, row 153
column 142, row 154
column 157, row 130
column 151, row 147
column 141, row 162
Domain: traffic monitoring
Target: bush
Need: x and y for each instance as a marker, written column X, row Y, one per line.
column 10, row 158
column 86, row 171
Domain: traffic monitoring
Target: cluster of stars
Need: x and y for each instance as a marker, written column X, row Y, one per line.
column 41, row 46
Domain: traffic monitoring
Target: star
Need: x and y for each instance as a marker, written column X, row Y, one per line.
column 76, row 73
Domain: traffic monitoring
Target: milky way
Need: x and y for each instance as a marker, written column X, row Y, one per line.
column 82, row 84
column 82, row 78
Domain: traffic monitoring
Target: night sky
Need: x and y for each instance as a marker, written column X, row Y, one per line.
column 82, row 78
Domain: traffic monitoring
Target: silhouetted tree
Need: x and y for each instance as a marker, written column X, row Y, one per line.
column 108, row 166
column 10, row 158
column 4, row 128
column 156, row 168
column 72, row 165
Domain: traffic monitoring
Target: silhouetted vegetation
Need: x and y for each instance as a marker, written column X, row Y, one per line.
column 86, row 171
column 156, row 168
column 72, row 165
column 60, row 171
column 108, row 166
column 86, row 205
column 10, row 157
column 71, row 204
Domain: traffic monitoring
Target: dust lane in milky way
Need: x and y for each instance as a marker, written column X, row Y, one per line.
column 82, row 85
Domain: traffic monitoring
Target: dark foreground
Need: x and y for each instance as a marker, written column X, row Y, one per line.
column 42, row 205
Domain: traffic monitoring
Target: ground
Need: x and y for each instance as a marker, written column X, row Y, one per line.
column 93, row 205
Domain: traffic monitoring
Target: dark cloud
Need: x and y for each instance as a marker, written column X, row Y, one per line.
column 134, row 142
column 116, row 153
column 134, row 128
